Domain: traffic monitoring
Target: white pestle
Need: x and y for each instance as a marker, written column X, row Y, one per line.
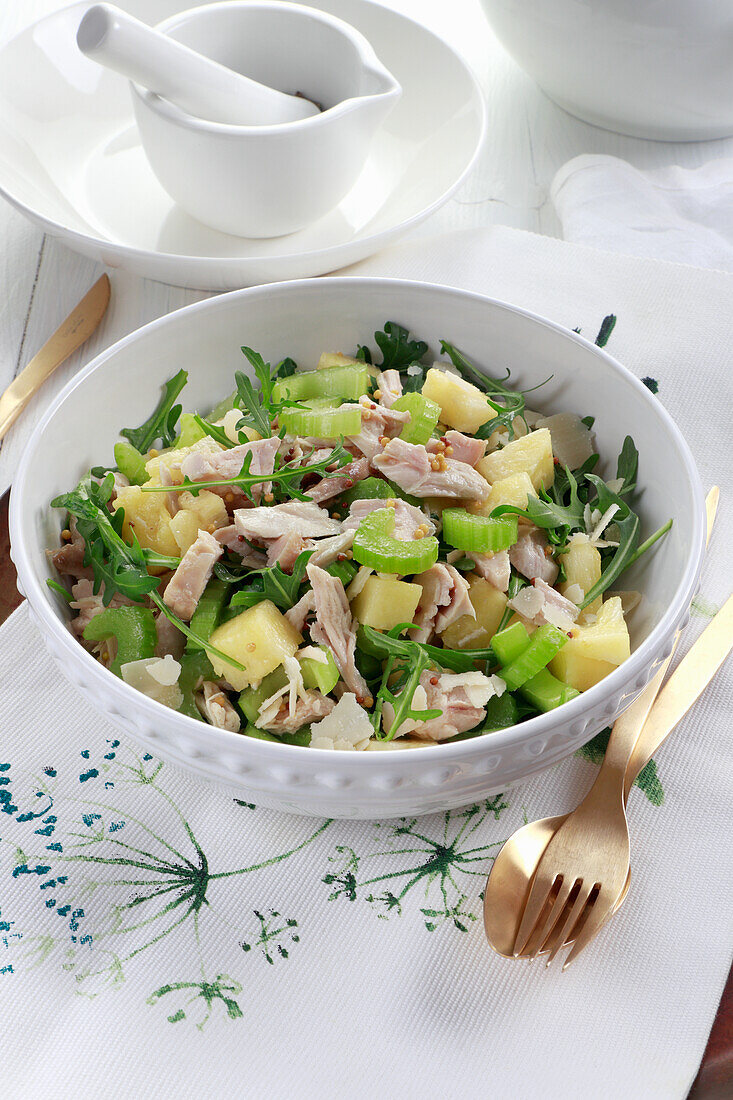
column 198, row 85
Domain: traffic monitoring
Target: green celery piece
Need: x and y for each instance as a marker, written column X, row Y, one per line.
column 322, row 423
column 345, row 571
column 543, row 645
column 348, row 382
column 300, row 737
column 319, row 674
column 208, row 613
column 545, row 692
column 424, row 415
column 251, row 730
column 195, row 667
column 190, row 432
column 134, row 629
column 501, row 713
column 252, row 699
column 478, row 534
column 375, row 546
column 510, row 642
column 223, row 407
column 131, row 463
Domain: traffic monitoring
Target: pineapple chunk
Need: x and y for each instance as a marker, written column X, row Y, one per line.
column 146, row 514
column 185, row 528
column 531, row 454
column 336, row 359
column 582, row 565
column 208, row 508
column 595, row 649
column 462, row 405
column 383, row 602
column 512, row 490
column 260, row 639
column 489, row 604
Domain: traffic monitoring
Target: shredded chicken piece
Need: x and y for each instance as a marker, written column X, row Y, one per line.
column 328, row 550
column 186, row 586
column 530, row 556
column 377, row 423
column 300, row 611
column 444, row 599
column 464, row 448
column 68, row 559
column 346, row 478
column 231, row 539
column 170, row 638
column 494, row 568
column 216, row 708
column 305, row 518
column 334, row 627
column 88, row 604
column 407, row 518
column 389, row 385
column 284, row 551
column 220, row 465
column 309, row 708
column 461, row 697
column 418, row 472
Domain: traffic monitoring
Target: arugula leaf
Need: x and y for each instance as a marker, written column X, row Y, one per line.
column 627, row 523
column 385, row 645
column 402, row 702
column 398, row 351
column 628, row 466
column 254, row 414
column 162, row 424
column 280, row 587
column 214, row 431
column 285, row 369
column 516, row 584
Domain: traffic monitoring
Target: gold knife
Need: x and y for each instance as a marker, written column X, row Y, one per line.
column 78, row 327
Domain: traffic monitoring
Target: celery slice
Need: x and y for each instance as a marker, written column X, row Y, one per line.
column 251, row 699
column 543, row 645
column 546, row 692
column 479, row 534
column 190, row 431
column 251, row 730
column 131, row 463
column 322, row 675
column 133, row 628
column 375, row 546
column 345, row 571
column 348, row 382
column 322, row 423
column 424, row 415
column 208, row 613
column 507, row 644
column 195, row 667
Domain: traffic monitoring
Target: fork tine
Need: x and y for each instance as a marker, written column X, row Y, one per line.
column 594, row 921
column 545, row 927
column 539, row 892
column 562, row 931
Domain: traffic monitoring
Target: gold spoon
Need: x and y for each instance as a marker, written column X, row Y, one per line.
column 71, row 334
column 514, row 867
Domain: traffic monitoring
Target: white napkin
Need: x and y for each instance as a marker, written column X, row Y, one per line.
column 679, row 214
column 161, row 937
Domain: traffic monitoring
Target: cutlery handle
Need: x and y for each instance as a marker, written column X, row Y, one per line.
column 69, row 336
column 198, row 85
column 685, row 685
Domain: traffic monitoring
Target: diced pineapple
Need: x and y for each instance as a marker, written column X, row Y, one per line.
column 146, row 514
column 171, row 458
column 185, row 528
column 582, row 565
column 512, row 490
column 489, row 604
column 260, row 639
column 337, row 359
column 531, row 454
column 208, row 508
column 383, row 602
column 594, row 649
column 462, row 405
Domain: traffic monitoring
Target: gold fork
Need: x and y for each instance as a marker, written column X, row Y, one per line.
column 578, row 882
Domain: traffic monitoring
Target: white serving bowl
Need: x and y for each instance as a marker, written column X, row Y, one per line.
column 302, row 319
column 639, row 67
column 267, row 181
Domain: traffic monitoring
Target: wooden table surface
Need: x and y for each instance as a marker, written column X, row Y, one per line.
column 528, row 140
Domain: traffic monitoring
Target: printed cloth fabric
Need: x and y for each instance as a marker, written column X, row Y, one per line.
column 679, row 214
column 163, row 937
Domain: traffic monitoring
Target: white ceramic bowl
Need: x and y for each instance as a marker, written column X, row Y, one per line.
column 266, row 181
column 640, row 67
column 302, row 319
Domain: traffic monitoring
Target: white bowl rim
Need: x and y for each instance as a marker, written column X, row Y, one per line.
column 177, row 117
column 233, row 263
column 39, row 598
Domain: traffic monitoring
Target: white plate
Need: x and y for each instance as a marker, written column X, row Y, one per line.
column 71, row 160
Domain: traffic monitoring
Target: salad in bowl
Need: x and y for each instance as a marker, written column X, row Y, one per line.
column 374, row 550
